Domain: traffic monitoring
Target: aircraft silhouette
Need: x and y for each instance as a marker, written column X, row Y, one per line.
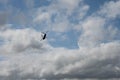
column 44, row 35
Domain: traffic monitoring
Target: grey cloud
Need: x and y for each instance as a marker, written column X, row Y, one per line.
column 100, row 62
column 22, row 19
column 87, row 63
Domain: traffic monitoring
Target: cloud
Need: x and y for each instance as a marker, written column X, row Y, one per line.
column 21, row 18
column 92, row 34
column 42, row 17
column 95, row 32
column 111, row 9
column 57, row 17
column 18, row 40
column 29, row 3
column 69, row 5
column 98, row 62
column 98, row 56
column 57, row 26
column 97, row 29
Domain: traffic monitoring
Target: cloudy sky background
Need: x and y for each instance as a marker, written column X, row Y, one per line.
column 83, row 42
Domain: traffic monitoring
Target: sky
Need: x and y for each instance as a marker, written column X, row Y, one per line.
column 83, row 40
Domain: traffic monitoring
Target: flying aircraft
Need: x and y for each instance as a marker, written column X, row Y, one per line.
column 44, row 35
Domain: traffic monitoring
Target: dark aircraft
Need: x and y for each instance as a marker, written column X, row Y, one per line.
column 44, row 35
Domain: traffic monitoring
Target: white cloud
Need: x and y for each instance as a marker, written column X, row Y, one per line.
column 82, row 11
column 61, row 26
column 18, row 40
column 69, row 5
column 111, row 9
column 97, row 29
column 56, row 17
column 93, row 31
column 42, row 16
